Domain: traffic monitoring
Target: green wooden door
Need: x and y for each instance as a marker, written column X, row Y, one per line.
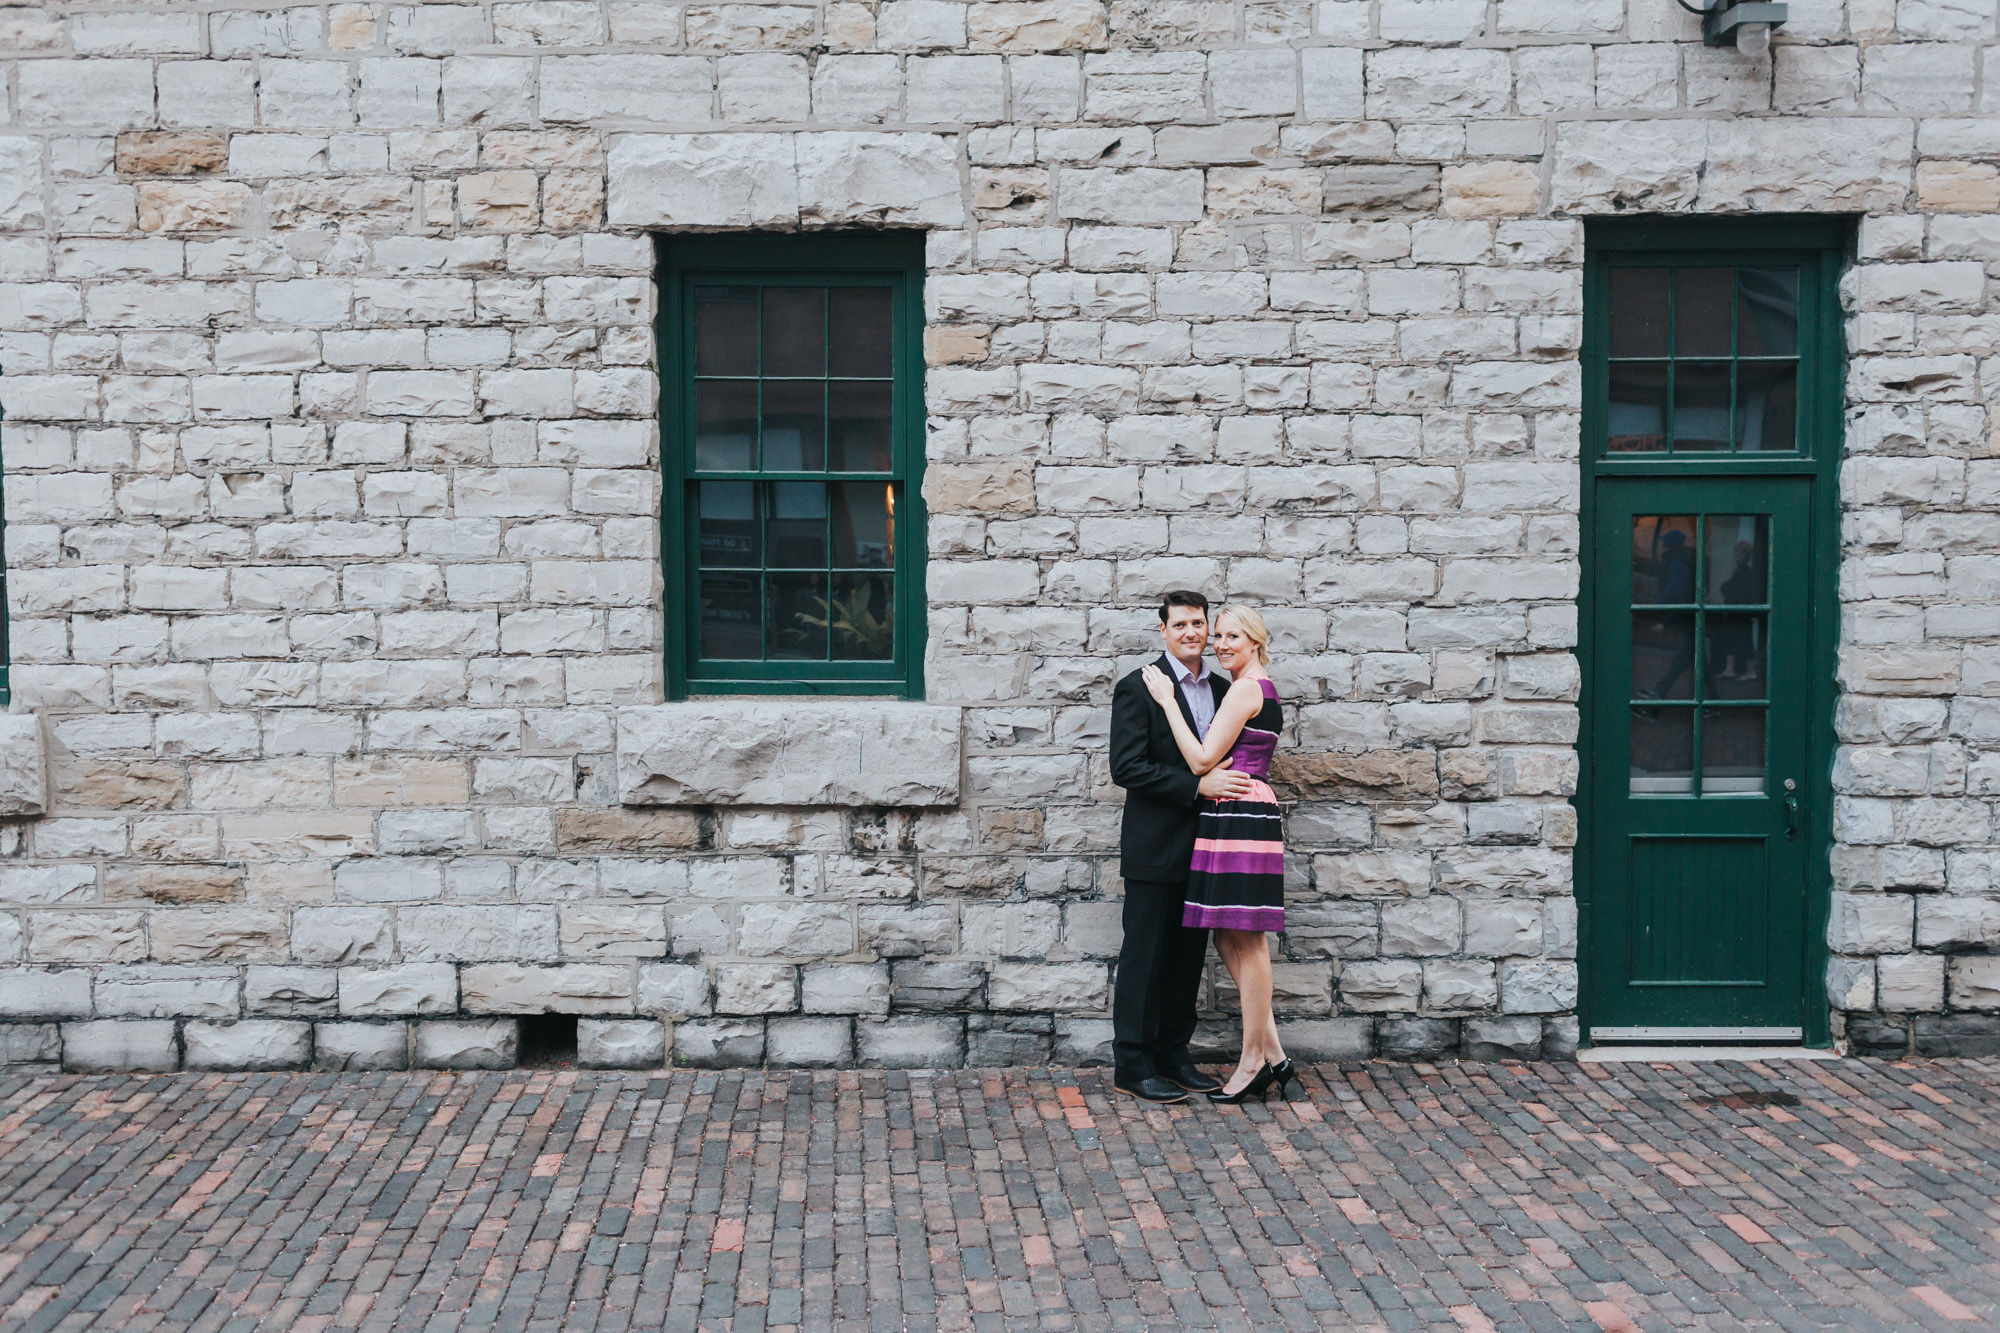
column 1711, row 429
column 1702, row 593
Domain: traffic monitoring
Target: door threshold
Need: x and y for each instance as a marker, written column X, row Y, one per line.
column 1596, row 1055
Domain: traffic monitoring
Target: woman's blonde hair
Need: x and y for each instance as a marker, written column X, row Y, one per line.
column 1252, row 625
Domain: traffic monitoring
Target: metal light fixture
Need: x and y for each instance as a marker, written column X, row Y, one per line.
column 1743, row 24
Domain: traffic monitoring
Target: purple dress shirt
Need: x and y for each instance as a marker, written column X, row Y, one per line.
column 1200, row 698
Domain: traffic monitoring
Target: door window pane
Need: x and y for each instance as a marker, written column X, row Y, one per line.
column 1636, row 416
column 795, row 331
column 859, row 324
column 1638, row 310
column 1702, row 309
column 725, row 425
column 725, row 330
column 1737, row 555
column 1662, row 751
column 1663, row 654
column 1701, row 406
column 1663, row 560
column 1766, row 406
column 1737, row 648
column 1732, row 751
column 1767, row 306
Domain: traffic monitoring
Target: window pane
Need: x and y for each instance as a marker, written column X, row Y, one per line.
column 797, row 531
column 859, row 430
column 1663, row 654
column 1767, row 307
column 1662, row 751
column 1663, row 559
column 731, row 616
column 794, row 425
column 1738, row 549
column 864, row 618
column 1638, row 311
column 860, row 331
column 795, row 331
column 1701, row 406
column 1702, row 301
column 1737, row 646
column 1732, row 750
column 725, row 423
column 864, row 534
column 725, row 330
column 797, row 604
column 729, row 525
column 1766, row 404
column 1636, row 421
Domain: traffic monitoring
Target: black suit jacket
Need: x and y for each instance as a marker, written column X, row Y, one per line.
column 1156, row 841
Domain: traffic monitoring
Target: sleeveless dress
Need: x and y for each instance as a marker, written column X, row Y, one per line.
column 1237, row 878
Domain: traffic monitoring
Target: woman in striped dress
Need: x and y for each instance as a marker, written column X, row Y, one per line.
column 1236, row 884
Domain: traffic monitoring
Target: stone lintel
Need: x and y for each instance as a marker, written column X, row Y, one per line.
column 789, row 752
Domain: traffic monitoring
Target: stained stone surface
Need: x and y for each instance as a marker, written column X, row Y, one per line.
column 778, row 754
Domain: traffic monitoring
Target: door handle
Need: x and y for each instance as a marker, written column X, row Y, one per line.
column 1791, row 810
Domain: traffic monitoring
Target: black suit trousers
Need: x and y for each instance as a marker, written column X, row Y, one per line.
column 1159, row 975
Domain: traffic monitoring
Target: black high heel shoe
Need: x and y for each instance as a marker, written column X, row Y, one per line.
column 1259, row 1087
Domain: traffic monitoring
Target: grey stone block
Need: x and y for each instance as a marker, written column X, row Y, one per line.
column 1364, row 191
column 487, row 1043
column 1327, row 1038
column 291, row 992
column 845, row 988
column 256, row 1043
column 1518, row 1038
column 751, row 753
column 1561, row 1035
column 1958, row 1034
column 996, row 1042
column 1871, row 1034
column 1417, row 1038
column 925, row 987
column 106, row 1047
column 1082, row 1041
column 719, row 1043
column 809, row 1043
column 30, row 1044
column 909, row 1043
column 357, row 1046
column 611, row 1043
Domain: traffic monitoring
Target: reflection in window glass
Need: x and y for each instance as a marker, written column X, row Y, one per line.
column 1702, row 309
column 1662, row 751
column 1736, row 649
column 1663, row 654
column 725, row 425
column 1737, row 555
column 1766, row 406
column 795, row 331
column 1701, row 406
column 859, row 321
column 1638, row 310
column 1636, row 417
column 1663, row 560
column 725, row 330
column 1767, row 312
column 1732, row 751
column 794, row 432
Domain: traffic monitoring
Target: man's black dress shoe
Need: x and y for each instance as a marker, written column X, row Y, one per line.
column 1187, row 1076
column 1152, row 1088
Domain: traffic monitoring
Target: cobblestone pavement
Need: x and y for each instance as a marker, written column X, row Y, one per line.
column 1857, row 1195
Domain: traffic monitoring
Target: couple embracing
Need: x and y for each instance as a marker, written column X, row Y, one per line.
column 1200, row 850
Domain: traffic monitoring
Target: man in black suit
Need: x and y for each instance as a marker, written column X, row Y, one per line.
column 1159, row 966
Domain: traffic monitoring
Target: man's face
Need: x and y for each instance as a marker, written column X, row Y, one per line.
column 1186, row 633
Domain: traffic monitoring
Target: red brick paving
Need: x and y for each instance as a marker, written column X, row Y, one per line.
column 1857, row 1195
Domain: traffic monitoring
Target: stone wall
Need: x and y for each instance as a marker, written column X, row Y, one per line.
column 331, row 482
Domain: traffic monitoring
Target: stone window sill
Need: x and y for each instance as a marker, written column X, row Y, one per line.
column 789, row 752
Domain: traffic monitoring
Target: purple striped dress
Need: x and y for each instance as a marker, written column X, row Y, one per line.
column 1237, row 878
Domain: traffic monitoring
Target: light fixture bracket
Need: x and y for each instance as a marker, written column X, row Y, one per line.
column 1721, row 19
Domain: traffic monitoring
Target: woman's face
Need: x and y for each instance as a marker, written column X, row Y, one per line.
column 1233, row 648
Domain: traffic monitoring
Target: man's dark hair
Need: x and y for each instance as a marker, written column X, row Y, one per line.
column 1182, row 597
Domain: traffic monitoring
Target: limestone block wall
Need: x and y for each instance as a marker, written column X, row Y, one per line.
column 332, row 493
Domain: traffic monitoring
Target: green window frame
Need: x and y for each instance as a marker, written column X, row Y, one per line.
column 792, row 530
